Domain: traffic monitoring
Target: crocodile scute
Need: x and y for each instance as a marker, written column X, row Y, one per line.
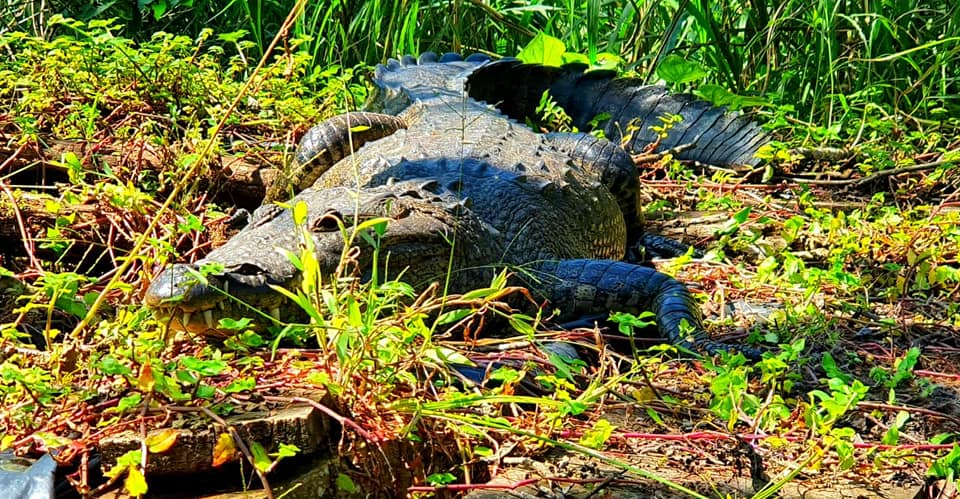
column 441, row 151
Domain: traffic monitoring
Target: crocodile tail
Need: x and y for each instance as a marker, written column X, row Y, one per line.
column 628, row 109
column 584, row 287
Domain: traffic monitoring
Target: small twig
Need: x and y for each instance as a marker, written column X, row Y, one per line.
column 243, row 448
column 343, row 420
column 613, row 478
column 461, row 487
column 657, row 156
column 874, row 176
column 917, row 410
column 25, row 236
column 237, row 439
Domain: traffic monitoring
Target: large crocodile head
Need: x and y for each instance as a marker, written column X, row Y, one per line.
column 422, row 222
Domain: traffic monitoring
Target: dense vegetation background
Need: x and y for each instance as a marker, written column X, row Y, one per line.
column 830, row 59
column 132, row 128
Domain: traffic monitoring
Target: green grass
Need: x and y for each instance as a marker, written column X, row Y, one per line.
column 834, row 61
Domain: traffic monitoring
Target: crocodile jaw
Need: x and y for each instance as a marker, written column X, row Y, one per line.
column 189, row 302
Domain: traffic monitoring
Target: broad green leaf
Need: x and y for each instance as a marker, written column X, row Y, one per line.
column 129, row 402
column 442, row 356
column 720, row 96
column 345, row 484
column 111, row 366
column 675, row 69
column 205, row 391
column 234, row 324
column 543, row 49
column 300, row 213
column 573, row 57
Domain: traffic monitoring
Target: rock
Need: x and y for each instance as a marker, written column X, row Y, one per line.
column 302, row 426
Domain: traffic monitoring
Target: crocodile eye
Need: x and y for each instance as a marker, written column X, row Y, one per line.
column 329, row 222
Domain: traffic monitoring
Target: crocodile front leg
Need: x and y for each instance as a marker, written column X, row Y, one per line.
column 582, row 287
column 325, row 144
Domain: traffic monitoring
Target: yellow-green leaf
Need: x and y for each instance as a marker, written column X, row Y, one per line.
column 224, row 451
column 161, row 441
column 135, row 484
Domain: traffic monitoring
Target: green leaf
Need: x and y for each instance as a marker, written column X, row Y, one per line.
column 444, row 355
column 573, row 408
column 211, row 367
column 543, row 49
column 521, row 324
column 453, row 316
column 345, row 484
column 233, row 36
column 234, row 324
column 437, row 479
column 74, row 167
column 831, row 369
column 192, row 223
column 112, row 366
column 675, row 69
column 573, row 57
column 595, row 437
column 947, row 466
column 129, row 402
column 260, row 458
column 505, row 374
column 241, row 385
column 159, row 7
column 286, row 450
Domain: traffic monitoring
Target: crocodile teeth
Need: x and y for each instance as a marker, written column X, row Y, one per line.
column 208, row 317
column 226, row 287
column 186, row 318
column 275, row 313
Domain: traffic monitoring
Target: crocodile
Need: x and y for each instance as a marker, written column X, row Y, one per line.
column 442, row 152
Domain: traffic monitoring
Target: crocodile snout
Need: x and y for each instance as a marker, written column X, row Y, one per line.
column 195, row 302
column 178, row 286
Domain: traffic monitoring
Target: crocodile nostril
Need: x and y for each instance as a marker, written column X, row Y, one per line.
column 330, row 221
column 247, row 269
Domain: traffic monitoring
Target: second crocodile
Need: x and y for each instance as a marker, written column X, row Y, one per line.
column 469, row 190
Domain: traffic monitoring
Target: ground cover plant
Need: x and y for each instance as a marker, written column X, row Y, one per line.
column 126, row 149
